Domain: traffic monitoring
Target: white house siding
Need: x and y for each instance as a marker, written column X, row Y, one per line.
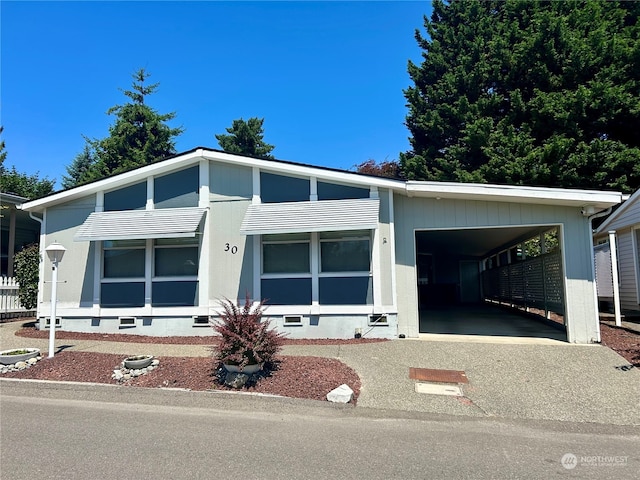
column 422, row 213
column 628, row 218
column 626, row 223
column 627, row 270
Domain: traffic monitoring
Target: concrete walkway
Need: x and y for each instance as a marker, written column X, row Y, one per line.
column 551, row 381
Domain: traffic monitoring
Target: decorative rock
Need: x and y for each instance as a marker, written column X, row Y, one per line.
column 19, row 366
column 155, row 362
column 122, row 374
column 341, row 394
column 236, row 380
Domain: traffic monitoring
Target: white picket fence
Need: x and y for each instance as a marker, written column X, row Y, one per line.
column 9, row 302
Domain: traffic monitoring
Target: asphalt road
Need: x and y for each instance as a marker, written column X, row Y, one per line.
column 71, row 431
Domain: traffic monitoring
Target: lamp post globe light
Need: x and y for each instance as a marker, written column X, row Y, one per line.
column 55, row 252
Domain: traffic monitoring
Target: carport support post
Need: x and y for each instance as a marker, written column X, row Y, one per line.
column 614, row 277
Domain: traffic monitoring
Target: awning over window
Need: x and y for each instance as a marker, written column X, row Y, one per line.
column 321, row 216
column 140, row 224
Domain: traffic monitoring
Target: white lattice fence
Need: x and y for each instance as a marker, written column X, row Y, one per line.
column 9, row 302
column 535, row 282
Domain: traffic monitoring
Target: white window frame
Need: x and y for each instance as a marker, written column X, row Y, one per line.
column 104, row 279
column 264, row 275
column 345, row 273
column 173, row 278
column 149, row 277
column 315, row 273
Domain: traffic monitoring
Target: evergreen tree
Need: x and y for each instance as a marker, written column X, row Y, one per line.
column 78, row 172
column 527, row 92
column 246, row 138
column 25, row 185
column 3, row 154
column 139, row 135
column 18, row 183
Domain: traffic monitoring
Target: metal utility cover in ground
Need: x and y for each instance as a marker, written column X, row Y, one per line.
column 436, row 389
column 442, row 376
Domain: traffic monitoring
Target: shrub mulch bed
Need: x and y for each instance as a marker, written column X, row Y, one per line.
column 292, row 376
column 625, row 343
column 296, row 377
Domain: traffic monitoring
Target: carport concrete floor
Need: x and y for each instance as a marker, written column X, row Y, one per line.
column 485, row 320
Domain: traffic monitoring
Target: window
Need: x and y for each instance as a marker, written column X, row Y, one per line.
column 123, row 258
column 124, row 294
column 123, row 273
column 179, row 189
column 345, row 265
column 286, row 253
column 286, row 269
column 278, row 188
column 129, row 198
column 174, row 279
column 332, row 191
column 176, row 257
column 286, row 291
column 341, row 271
column 175, row 274
column 344, row 254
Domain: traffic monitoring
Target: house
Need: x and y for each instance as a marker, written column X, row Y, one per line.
column 335, row 253
column 624, row 226
column 17, row 230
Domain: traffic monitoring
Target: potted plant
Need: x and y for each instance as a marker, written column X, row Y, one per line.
column 137, row 361
column 247, row 341
column 15, row 355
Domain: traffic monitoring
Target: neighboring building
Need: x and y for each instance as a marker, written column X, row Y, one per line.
column 155, row 249
column 17, row 230
column 625, row 222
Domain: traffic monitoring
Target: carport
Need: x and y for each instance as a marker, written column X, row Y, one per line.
column 497, row 281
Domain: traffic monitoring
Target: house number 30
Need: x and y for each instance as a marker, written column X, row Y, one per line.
column 230, row 248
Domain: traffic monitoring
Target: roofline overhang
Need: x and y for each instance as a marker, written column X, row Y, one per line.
column 192, row 157
column 628, row 202
column 597, row 199
column 12, row 199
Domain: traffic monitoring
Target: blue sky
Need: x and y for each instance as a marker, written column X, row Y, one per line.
column 327, row 77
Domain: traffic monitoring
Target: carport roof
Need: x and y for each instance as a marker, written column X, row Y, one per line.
column 599, row 200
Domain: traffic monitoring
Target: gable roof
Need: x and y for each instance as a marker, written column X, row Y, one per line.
column 600, row 200
column 620, row 212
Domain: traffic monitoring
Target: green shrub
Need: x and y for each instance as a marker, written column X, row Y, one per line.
column 27, row 265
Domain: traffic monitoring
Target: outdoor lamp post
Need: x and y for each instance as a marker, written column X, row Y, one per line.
column 55, row 252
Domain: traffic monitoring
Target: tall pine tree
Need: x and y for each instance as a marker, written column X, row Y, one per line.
column 246, row 138
column 139, row 136
column 79, row 171
column 527, row 92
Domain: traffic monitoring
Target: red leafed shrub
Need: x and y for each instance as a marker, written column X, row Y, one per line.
column 245, row 338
